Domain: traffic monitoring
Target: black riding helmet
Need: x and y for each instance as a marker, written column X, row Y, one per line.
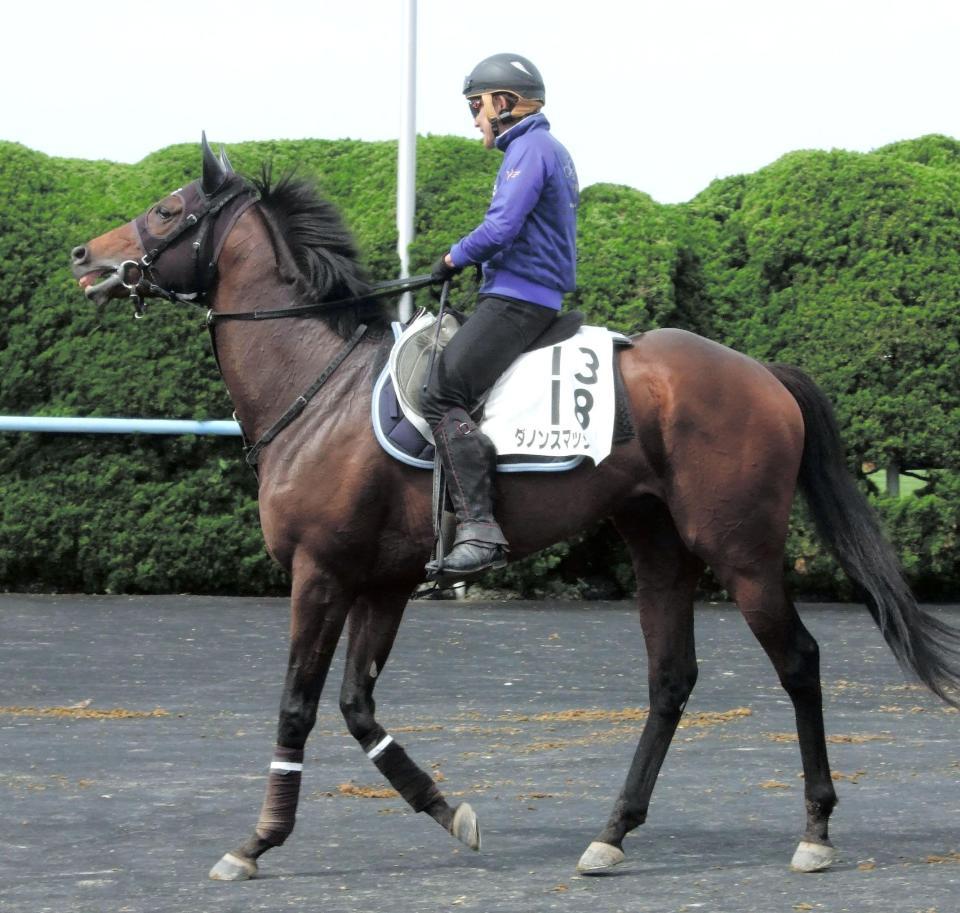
column 505, row 73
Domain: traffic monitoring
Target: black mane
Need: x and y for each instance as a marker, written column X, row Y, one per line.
column 327, row 258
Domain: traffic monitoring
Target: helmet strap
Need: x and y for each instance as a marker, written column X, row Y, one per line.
column 521, row 108
column 491, row 113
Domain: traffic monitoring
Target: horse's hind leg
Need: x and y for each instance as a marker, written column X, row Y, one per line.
column 667, row 574
column 318, row 610
column 795, row 655
column 372, row 629
column 739, row 529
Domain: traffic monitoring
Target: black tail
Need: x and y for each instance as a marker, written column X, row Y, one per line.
column 924, row 645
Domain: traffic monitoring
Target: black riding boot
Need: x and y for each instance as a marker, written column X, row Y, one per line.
column 469, row 461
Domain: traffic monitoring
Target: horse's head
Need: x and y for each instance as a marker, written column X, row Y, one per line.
column 171, row 249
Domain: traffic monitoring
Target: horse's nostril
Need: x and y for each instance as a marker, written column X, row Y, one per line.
column 79, row 254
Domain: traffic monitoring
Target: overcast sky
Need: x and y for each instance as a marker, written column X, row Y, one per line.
column 662, row 96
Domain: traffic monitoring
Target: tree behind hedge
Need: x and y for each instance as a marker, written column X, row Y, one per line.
column 848, row 265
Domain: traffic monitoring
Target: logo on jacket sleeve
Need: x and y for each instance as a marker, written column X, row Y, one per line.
column 512, row 173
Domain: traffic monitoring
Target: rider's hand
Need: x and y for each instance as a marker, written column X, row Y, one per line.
column 443, row 269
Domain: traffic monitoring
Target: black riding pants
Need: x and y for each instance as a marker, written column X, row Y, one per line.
column 481, row 350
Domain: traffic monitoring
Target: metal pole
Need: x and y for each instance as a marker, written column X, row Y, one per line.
column 407, row 151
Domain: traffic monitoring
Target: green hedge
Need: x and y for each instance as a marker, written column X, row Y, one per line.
column 844, row 263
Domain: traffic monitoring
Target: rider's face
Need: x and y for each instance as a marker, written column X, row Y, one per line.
column 482, row 122
column 483, row 125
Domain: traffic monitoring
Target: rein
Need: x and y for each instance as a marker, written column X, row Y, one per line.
column 386, row 289
column 380, row 290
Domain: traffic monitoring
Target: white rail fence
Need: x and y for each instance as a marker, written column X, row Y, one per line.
column 117, row 425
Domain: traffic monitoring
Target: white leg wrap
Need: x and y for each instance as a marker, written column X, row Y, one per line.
column 379, row 748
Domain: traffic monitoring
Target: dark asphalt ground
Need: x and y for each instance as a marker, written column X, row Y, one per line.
column 128, row 814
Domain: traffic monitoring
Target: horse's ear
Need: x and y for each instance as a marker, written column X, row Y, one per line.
column 227, row 167
column 214, row 173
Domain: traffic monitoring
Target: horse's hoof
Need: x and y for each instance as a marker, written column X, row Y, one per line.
column 233, row 868
column 813, row 857
column 465, row 826
column 598, row 858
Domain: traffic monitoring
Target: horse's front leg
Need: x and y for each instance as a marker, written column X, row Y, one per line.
column 373, row 625
column 319, row 607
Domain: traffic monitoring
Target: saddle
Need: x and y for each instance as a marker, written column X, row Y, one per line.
column 423, row 341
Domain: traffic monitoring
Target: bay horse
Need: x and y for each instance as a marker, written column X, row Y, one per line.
column 721, row 443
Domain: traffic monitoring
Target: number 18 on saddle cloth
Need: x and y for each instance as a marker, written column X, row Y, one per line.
column 556, row 401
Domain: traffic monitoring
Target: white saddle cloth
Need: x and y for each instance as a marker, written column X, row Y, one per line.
column 557, row 401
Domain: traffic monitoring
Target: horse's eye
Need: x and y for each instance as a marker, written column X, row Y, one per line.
column 163, row 212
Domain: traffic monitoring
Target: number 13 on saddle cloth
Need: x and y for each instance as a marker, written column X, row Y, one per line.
column 555, row 401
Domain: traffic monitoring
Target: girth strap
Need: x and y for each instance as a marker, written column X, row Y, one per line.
column 300, row 403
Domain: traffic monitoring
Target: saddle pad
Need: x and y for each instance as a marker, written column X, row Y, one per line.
column 406, row 443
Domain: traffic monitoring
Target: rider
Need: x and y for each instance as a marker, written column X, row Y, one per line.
column 527, row 247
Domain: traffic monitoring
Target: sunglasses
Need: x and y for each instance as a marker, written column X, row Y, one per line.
column 475, row 105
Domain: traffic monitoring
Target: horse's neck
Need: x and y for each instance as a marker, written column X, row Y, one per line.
column 267, row 365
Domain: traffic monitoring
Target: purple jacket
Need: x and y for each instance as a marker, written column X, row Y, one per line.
column 527, row 241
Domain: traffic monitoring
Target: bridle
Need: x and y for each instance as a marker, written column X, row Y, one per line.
column 195, row 263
